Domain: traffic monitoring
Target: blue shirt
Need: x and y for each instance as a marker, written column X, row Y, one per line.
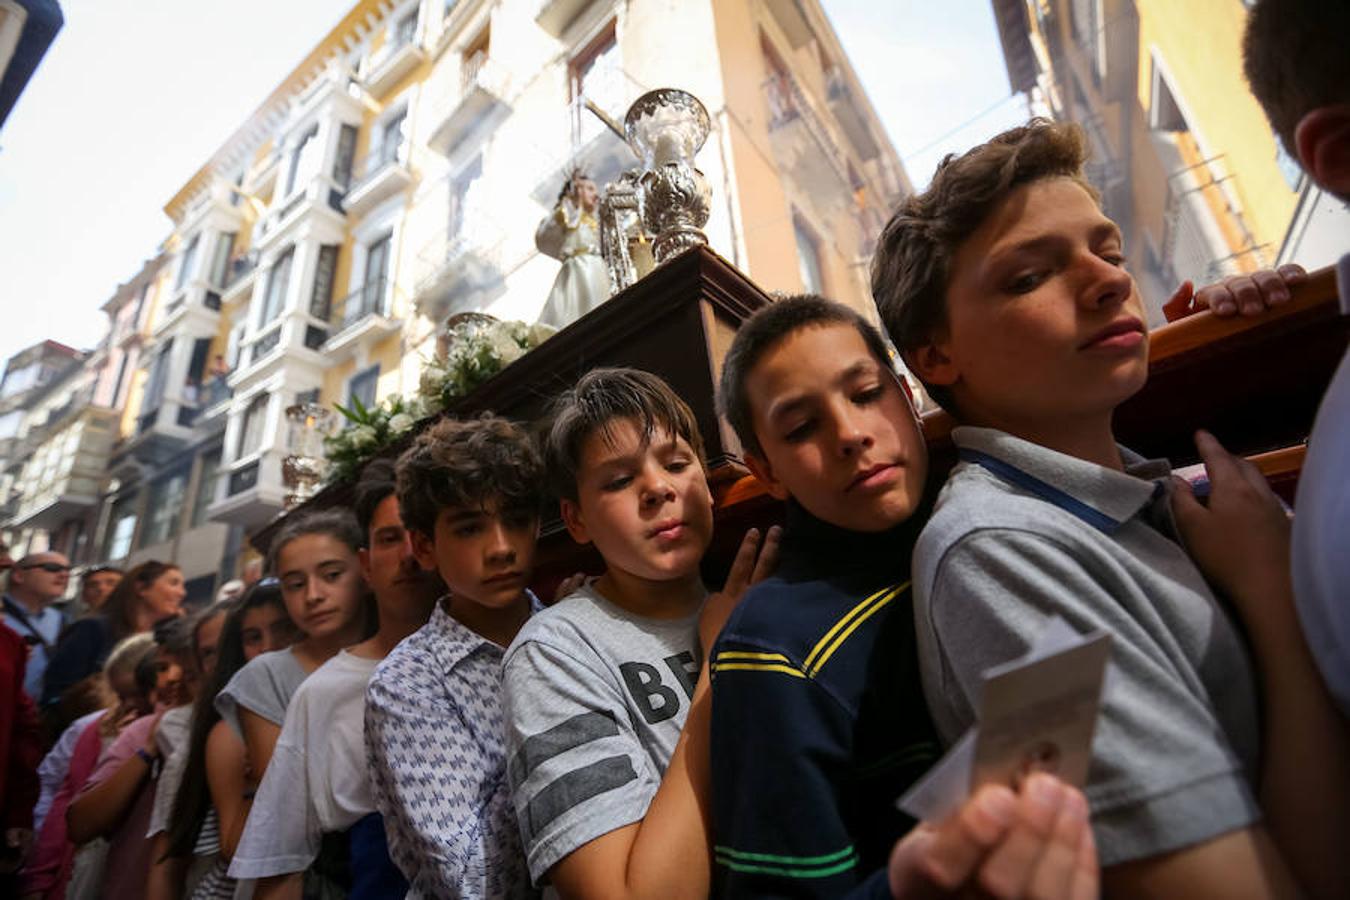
column 39, row 631
column 818, row 717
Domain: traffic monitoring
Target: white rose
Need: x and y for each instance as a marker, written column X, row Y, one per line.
column 400, row 422
column 432, row 381
column 540, row 332
column 506, row 348
column 364, row 437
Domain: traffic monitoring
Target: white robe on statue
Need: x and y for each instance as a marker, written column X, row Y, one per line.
column 573, row 237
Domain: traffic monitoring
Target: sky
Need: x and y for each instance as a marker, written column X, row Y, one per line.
column 135, row 95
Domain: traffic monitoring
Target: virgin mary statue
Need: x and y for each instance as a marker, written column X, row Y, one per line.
column 571, row 234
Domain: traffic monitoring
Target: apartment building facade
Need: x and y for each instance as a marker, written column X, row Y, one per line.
column 37, row 381
column 395, row 178
column 1183, row 155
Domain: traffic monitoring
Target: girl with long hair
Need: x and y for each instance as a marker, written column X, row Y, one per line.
column 315, row 560
column 208, row 807
column 149, row 593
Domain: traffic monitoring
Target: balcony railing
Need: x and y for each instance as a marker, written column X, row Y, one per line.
column 396, row 42
column 368, row 168
column 471, row 69
column 370, row 299
column 482, row 103
column 791, row 112
column 199, row 400
column 849, row 115
column 321, row 190
column 782, row 94
column 216, row 390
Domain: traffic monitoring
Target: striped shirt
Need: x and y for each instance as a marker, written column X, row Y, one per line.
column 818, row 720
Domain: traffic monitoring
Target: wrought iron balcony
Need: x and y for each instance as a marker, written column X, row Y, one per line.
column 849, row 115
column 370, row 299
column 321, row 195
column 365, row 312
column 377, row 176
column 482, row 104
column 801, row 141
column 387, row 66
column 461, row 271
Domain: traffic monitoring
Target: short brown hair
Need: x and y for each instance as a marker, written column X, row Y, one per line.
column 913, row 261
column 467, row 465
column 765, row 330
column 1295, row 58
column 601, row 397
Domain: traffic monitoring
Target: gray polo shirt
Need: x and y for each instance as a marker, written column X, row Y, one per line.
column 1022, row 533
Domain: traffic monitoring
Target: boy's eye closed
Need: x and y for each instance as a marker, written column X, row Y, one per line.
column 868, row 395
column 677, row 465
column 1025, row 282
column 800, row 432
column 468, row 530
column 617, row 484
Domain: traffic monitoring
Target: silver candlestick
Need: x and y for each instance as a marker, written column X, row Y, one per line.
column 302, row 469
column 666, row 128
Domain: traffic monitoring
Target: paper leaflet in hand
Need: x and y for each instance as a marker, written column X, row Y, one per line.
column 1036, row 713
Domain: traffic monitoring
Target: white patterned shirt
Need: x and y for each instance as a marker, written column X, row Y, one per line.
column 435, row 743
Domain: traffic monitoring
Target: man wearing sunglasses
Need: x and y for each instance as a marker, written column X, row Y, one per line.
column 34, row 582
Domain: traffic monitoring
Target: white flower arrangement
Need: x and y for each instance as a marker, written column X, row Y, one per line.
column 368, row 430
column 479, row 348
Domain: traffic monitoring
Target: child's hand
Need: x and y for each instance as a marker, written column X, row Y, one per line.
column 1240, row 540
column 151, row 743
column 752, row 563
column 1036, row 844
column 569, row 584
column 1250, row 295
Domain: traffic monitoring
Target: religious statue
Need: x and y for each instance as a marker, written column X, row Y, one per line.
column 571, row 234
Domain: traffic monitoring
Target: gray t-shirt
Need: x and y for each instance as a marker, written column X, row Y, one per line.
column 1022, row 534
column 595, row 699
column 263, row 686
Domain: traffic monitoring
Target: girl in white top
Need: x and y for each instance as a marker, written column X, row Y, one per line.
column 315, row 559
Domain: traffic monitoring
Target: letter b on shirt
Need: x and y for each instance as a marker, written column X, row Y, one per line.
column 657, row 701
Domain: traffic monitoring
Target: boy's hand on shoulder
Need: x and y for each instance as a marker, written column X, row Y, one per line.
column 1240, row 540
column 1248, row 295
column 753, row 563
column 1036, row 844
column 569, row 584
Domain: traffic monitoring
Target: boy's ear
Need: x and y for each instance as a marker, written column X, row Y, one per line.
column 1322, row 140
column 761, row 469
column 424, row 549
column 932, row 364
column 363, row 557
column 572, row 518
